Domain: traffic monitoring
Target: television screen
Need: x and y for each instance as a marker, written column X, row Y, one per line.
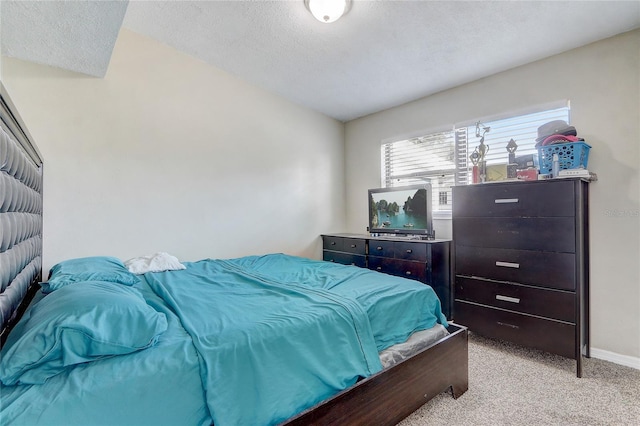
column 401, row 210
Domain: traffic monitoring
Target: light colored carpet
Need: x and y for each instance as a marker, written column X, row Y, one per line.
column 512, row 385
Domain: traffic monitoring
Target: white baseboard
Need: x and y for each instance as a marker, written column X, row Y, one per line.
column 625, row 360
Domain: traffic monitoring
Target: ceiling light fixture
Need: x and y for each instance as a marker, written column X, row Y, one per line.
column 328, row 11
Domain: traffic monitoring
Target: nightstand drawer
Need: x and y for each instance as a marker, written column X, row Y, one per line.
column 555, row 234
column 514, row 199
column 345, row 258
column 552, row 336
column 546, row 269
column 400, row 268
column 560, row 305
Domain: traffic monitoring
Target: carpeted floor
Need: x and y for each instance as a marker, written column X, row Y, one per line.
column 512, row 385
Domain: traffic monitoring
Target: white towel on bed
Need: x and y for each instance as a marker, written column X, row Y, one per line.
column 156, row 262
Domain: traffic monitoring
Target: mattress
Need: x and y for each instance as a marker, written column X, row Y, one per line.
column 414, row 344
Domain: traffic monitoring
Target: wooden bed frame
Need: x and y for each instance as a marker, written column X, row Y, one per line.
column 382, row 399
column 392, row 394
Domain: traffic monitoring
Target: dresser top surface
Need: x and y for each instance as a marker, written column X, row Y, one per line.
column 385, row 238
column 527, row 182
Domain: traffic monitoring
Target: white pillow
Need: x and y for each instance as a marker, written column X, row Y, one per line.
column 156, row 262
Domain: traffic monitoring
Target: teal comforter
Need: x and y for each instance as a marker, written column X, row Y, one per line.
column 157, row 386
column 251, row 341
column 268, row 349
column 396, row 307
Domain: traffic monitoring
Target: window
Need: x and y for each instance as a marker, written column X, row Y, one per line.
column 442, row 159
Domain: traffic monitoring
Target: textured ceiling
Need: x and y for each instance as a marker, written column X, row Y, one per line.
column 78, row 36
column 381, row 54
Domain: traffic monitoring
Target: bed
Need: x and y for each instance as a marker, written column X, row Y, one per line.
column 273, row 339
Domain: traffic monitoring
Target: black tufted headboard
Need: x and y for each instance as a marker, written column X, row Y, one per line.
column 20, row 216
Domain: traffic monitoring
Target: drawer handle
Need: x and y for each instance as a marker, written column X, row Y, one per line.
column 353, row 246
column 507, row 264
column 378, row 248
column 333, row 243
column 409, row 251
column 379, row 268
column 408, row 273
column 506, row 200
column 507, row 325
column 507, row 298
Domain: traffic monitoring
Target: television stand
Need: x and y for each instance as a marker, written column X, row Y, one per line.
column 427, row 261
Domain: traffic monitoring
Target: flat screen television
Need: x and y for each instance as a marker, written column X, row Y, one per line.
column 402, row 210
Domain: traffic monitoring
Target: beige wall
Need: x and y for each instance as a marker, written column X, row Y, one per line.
column 167, row 153
column 602, row 82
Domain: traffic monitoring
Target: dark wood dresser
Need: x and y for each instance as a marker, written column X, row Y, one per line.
column 521, row 261
column 427, row 261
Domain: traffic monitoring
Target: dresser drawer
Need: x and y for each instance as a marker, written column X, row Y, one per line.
column 399, row 250
column 345, row 258
column 560, row 305
column 354, row 245
column 411, row 251
column 521, row 199
column 400, row 268
column 381, row 248
column 332, row 243
column 536, row 233
column 546, row 269
column 548, row 335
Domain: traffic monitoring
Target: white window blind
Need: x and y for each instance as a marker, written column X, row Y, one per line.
column 442, row 159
